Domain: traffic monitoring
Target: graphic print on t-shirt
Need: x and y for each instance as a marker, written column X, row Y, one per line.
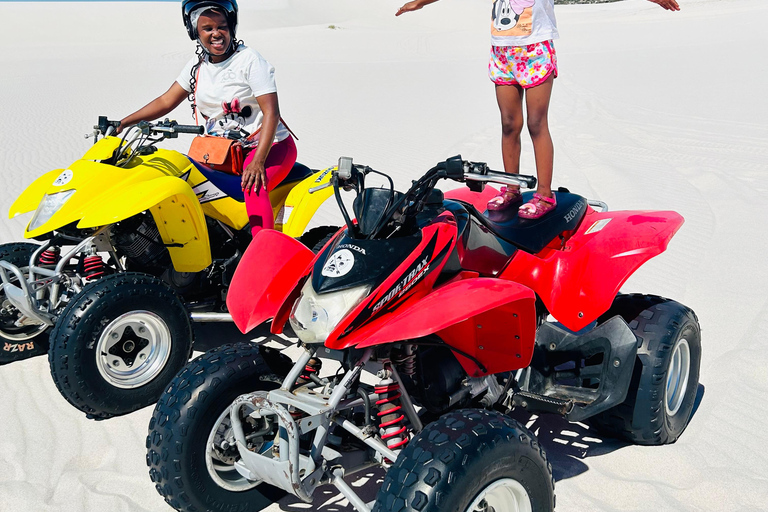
column 512, row 17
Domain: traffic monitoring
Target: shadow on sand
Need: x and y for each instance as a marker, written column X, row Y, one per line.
column 567, row 444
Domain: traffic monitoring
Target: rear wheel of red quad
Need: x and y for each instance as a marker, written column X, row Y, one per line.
column 470, row 461
column 118, row 344
column 665, row 379
column 20, row 338
column 191, row 451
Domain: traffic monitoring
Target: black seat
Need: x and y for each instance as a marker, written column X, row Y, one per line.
column 532, row 235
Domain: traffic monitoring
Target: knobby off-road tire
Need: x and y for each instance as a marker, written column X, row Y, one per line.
column 466, row 456
column 118, row 344
column 665, row 378
column 193, row 407
column 17, row 343
column 317, row 237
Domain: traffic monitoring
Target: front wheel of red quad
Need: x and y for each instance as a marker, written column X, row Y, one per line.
column 470, row 461
column 118, row 344
column 191, row 449
column 665, row 379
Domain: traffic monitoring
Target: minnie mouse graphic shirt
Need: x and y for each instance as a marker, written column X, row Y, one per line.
column 522, row 22
column 227, row 91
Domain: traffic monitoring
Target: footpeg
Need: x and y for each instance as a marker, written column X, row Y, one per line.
column 542, row 404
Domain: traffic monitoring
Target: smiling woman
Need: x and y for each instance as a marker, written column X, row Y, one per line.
column 232, row 88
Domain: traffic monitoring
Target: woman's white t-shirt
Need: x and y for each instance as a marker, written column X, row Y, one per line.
column 245, row 75
column 522, row 22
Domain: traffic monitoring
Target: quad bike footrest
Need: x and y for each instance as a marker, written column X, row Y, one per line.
column 542, row 404
column 592, row 371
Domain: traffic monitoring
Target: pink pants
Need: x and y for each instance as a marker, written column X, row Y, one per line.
column 280, row 160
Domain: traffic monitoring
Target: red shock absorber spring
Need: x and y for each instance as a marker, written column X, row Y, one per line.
column 313, row 367
column 391, row 419
column 406, row 361
column 93, row 266
column 50, row 256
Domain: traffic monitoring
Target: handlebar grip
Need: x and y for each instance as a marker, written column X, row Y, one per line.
column 189, row 128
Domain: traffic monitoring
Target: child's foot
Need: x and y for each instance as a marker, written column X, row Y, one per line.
column 537, row 207
column 506, row 197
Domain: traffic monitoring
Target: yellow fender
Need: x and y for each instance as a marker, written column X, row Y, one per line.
column 301, row 205
column 30, row 198
column 176, row 211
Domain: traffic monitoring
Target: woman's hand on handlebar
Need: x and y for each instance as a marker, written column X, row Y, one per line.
column 254, row 177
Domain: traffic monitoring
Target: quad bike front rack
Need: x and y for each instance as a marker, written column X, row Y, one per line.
column 283, row 466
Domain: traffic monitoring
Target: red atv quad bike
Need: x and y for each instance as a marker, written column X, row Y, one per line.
column 450, row 309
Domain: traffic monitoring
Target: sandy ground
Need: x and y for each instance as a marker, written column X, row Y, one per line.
column 652, row 110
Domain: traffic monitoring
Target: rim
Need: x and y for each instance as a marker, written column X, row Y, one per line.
column 677, row 376
column 9, row 315
column 505, row 495
column 133, row 349
column 221, row 454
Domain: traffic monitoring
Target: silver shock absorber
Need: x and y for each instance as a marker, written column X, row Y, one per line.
column 391, row 418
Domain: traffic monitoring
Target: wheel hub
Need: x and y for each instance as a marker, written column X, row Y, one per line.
column 16, row 327
column 133, row 349
column 678, row 374
column 221, row 455
column 505, row 495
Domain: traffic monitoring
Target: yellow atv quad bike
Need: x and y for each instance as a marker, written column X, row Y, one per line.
column 137, row 243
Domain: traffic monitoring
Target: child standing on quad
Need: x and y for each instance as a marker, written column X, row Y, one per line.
column 523, row 64
column 233, row 88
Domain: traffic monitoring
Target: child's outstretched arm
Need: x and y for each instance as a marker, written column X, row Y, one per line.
column 670, row 5
column 415, row 5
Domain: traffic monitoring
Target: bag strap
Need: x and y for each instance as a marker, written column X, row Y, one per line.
column 197, row 81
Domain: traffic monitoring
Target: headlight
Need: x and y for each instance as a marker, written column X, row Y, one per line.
column 47, row 207
column 314, row 316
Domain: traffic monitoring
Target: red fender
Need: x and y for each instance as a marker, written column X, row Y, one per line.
column 266, row 274
column 492, row 320
column 579, row 282
column 477, row 199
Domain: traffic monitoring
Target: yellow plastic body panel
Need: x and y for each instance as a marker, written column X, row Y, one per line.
column 176, row 211
column 33, row 194
column 300, row 205
column 169, row 186
column 103, row 149
column 227, row 210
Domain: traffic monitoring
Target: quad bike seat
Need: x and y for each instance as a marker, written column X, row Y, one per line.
column 532, row 235
column 230, row 184
column 490, row 238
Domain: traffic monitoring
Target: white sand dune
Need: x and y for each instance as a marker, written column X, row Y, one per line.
column 653, row 110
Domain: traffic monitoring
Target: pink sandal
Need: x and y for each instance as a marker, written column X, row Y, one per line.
column 505, row 198
column 537, row 207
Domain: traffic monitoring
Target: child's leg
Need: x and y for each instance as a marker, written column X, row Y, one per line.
column 279, row 163
column 510, row 100
column 537, row 108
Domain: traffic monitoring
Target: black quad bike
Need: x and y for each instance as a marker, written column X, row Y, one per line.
column 449, row 308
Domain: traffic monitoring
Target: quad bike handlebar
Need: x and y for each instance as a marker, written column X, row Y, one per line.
column 169, row 129
column 400, row 209
column 140, row 138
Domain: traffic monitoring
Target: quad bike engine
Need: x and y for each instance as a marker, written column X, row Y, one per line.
column 138, row 239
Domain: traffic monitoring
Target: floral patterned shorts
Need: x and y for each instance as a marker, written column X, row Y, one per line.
column 527, row 66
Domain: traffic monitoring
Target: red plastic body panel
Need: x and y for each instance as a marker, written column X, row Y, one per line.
column 579, row 282
column 265, row 276
column 492, row 320
column 477, row 199
column 284, row 311
column 413, row 279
